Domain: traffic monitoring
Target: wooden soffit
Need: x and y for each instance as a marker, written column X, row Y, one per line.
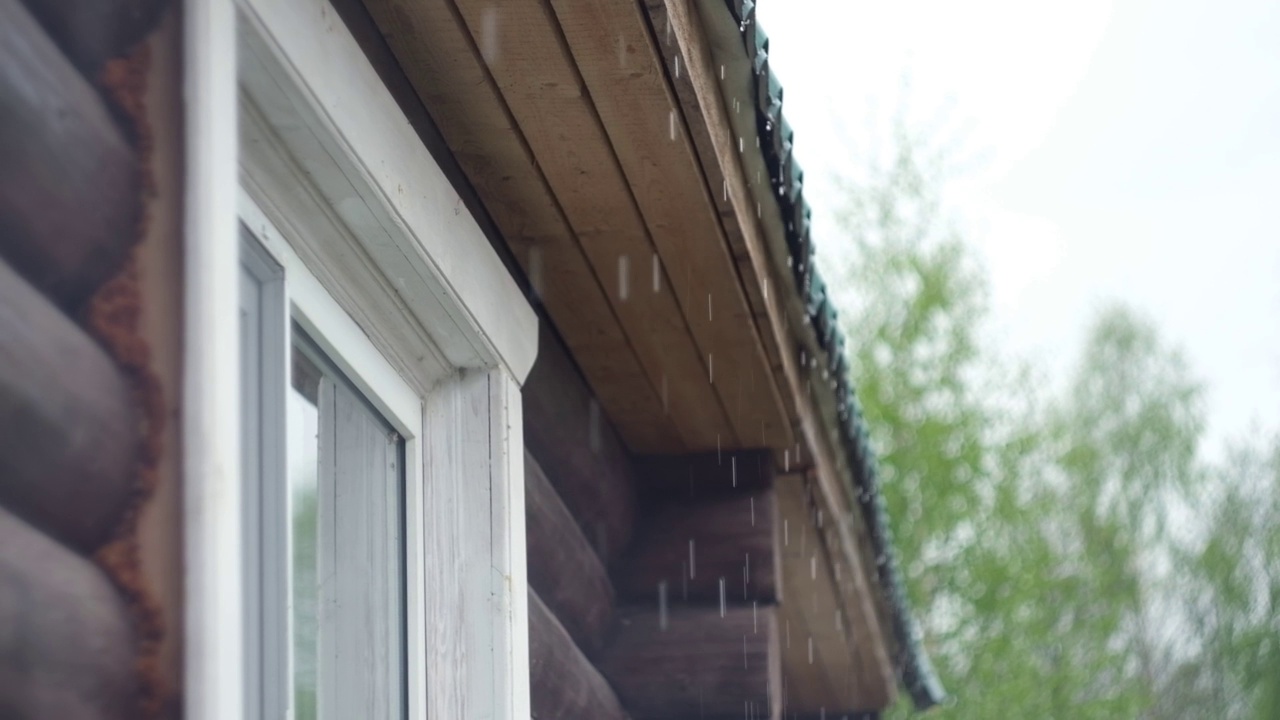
column 563, row 117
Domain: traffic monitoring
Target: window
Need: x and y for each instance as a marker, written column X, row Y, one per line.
column 325, row 505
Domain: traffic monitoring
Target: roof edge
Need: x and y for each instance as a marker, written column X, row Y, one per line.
column 786, row 178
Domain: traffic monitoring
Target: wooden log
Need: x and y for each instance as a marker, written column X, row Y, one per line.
column 697, row 664
column 69, row 185
column 66, row 648
column 702, row 476
column 563, row 568
column 562, row 681
column 66, row 418
column 578, row 449
column 91, row 32
column 694, row 548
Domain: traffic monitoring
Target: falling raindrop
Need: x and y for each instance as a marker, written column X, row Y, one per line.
column 662, row 605
column 677, row 57
column 711, row 369
column 725, row 189
column 693, row 566
column 786, row 532
column 813, row 567
column 723, row 606
column 810, row 649
column 788, row 632
column 733, row 474
column 489, row 45
column 624, row 277
column 657, row 273
column 819, row 518
column 739, row 144
column 671, row 124
column 722, row 72
column 786, row 460
column 753, row 512
column 766, row 280
column 755, row 620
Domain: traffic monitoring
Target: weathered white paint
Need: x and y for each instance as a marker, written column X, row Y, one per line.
column 213, row 632
column 343, row 187
column 311, row 81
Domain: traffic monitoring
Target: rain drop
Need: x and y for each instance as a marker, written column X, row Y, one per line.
column 662, row 605
column 722, row 72
column 753, row 512
column 755, row 624
column 786, row 532
column 711, row 368
column 677, row 58
column 810, row 649
column 813, row 567
column 693, row 567
column 671, row 124
column 733, row 474
column 489, row 35
column 723, row 605
column 657, row 274
column 624, row 277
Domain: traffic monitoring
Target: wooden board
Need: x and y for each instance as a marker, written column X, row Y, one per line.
column 725, row 547
column 696, row 663
column 815, row 420
column 562, row 681
column 578, row 449
column 521, row 45
column 69, row 183
column 69, row 428
column 563, row 569
column 66, row 648
column 664, row 479
column 624, row 72
column 822, row 660
column 449, row 75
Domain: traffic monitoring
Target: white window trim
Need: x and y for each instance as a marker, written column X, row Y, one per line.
column 346, row 345
column 410, row 270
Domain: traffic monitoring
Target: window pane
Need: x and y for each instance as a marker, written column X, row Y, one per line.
column 303, row 424
column 347, row 519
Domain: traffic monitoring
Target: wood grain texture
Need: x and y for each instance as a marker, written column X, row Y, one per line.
column 755, row 286
column 563, row 568
column 447, row 71
column 715, row 89
column 700, row 476
column 700, row 665
column 563, row 682
column 66, row 648
column 69, row 185
column 822, row 661
column 693, row 548
column 623, row 70
column 521, row 45
column 68, row 424
column 91, row 32
column 578, row 449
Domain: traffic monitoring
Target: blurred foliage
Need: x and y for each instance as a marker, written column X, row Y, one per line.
column 1069, row 551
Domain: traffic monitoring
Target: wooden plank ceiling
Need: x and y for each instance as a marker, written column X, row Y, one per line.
column 563, row 117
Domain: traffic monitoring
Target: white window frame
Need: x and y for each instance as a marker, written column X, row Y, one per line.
column 304, row 140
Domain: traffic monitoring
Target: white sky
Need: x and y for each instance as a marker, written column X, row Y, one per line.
column 1129, row 151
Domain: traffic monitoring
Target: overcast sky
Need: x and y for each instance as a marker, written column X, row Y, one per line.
column 1129, row 151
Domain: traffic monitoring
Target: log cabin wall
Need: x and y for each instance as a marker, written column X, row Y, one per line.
column 89, row 266
column 653, row 581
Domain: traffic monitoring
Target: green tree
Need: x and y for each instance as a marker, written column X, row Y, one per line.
column 1031, row 528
